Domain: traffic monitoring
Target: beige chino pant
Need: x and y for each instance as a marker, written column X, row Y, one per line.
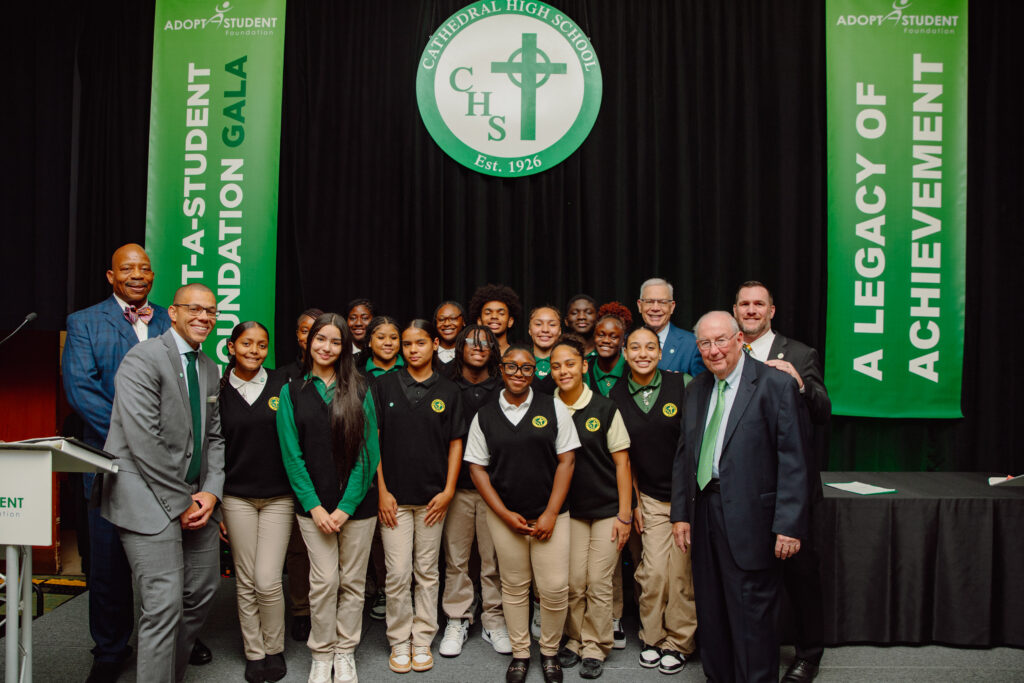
column 592, row 559
column 258, row 529
column 337, row 578
column 411, row 548
column 524, row 559
column 668, row 614
column 466, row 518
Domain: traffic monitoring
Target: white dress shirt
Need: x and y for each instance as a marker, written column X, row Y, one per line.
column 476, row 445
column 249, row 390
column 140, row 326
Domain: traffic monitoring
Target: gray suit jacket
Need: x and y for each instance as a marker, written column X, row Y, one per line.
column 151, row 438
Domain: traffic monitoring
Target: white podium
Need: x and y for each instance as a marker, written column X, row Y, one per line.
column 26, row 469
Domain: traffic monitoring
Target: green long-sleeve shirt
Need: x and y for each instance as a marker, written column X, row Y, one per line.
column 359, row 480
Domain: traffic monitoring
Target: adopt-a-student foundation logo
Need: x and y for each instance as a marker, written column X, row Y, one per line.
column 509, row 87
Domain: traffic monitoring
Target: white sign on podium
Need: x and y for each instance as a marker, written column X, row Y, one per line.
column 26, row 469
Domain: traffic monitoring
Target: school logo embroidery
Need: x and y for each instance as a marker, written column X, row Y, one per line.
column 274, row 402
column 509, row 88
column 540, row 421
column 437, row 405
column 593, row 424
column 669, row 410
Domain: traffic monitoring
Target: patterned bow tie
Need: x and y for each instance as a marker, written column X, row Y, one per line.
column 133, row 315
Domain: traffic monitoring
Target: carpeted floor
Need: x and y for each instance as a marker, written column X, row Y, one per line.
column 62, row 646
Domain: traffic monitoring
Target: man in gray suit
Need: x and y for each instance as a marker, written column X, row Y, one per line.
column 166, row 438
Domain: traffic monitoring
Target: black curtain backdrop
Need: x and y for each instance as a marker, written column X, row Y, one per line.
column 706, row 166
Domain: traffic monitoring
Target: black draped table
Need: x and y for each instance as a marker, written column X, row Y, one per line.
column 939, row 561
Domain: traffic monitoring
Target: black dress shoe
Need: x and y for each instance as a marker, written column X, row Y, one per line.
column 551, row 668
column 800, row 671
column 104, row 672
column 200, row 654
column 254, row 670
column 517, row 670
column 275, row 668
column 567, row 658
column 591, row 668
column 301, row 626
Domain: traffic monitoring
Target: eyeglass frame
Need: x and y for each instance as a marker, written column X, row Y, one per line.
column 518, row 369
column 706, row 344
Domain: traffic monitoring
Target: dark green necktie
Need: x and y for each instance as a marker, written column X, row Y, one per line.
column 195, row 401
column 707, row 447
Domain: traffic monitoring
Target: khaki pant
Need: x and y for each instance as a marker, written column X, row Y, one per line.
column 411, row 548
column 592, row 559
column 522, row 559
column 297, row 566
column 668, row 614
column 635, row 546
column 337, row 576
column 258, row 529
column 466, row 518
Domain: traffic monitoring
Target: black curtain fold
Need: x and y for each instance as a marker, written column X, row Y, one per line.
column 706, row 166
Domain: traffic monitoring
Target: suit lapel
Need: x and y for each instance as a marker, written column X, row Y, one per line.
column 116, row 317
column 745, row 390
column 175, row 359
column 778, row 349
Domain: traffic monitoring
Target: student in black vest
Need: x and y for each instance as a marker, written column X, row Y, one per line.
column 449, row 319
column 544, row 328
column 600, row 509
column 257, row 504
column 327, row 427
column 479, row 379
column 609, row 335
column 651, row 403
column 421, row 431
column 382, row 354
column 580, row 318
column 296, row 561
column 520, row 451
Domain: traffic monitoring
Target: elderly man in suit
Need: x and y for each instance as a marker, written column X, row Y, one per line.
column 678, row 350
column 97, row 340
column 754, row 310
column 739, row 491
column 166, row 438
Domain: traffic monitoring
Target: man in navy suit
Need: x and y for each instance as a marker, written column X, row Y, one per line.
column 739, row 491
column 98, row 338
column 754, row 310
column 678, row 348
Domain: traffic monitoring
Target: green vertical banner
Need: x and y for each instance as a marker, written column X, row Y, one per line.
column 897, row 201
column 214, row 148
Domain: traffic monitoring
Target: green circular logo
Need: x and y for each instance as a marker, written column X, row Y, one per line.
column 437, row 405
column 509, row 87
column 593, row 424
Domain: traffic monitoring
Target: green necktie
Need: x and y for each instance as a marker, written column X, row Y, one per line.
column 707, row 447
column 194, row 400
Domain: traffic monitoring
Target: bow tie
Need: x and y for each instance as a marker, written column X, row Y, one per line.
column 133, row 315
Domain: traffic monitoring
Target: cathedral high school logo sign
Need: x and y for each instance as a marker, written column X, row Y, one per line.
column 509, row 87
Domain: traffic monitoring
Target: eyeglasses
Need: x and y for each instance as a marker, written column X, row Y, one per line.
column 705, row 344
column 449, row 319
column 478, row 343
column 196, row 309
column 511, row 368
column 660, row 302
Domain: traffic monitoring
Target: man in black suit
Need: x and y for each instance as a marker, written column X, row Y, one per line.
column 739, row 491
column 754, row 310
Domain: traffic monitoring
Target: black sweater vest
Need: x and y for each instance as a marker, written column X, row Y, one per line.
column 414, row 438
column 654, row 435
column 474, row 396
column 313, row 423
column 523, row 456
column 594, row 493
column 252, row 454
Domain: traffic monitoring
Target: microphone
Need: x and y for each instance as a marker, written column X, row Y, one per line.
column 28, row 318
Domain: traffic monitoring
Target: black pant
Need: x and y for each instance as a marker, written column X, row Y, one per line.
column 802, row 577
column 737, row 609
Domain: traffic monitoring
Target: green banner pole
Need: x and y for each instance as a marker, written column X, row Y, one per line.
column 897, row 202
column 214, row 148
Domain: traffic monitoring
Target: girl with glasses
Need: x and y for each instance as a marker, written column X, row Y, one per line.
column 521, row 451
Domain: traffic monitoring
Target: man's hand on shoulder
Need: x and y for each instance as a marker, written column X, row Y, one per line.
column 787, row 368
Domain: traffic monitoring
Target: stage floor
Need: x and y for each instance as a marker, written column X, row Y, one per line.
column 62, row 646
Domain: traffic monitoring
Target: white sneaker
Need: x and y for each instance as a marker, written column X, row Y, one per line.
column 498, row 638
column 345, row 668
column 422, row 660
column 320, row 671
column 618, row 635
column 535, row 622
column 455, row 634
column 400, row 660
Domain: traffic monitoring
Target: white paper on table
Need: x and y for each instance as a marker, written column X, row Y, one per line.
column 996, row 481
column 860, row 488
